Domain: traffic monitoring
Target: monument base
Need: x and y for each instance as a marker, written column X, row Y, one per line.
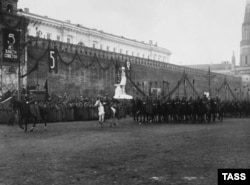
column 120, row 95
column 124, row 96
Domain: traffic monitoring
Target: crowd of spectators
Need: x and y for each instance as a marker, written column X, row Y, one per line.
column 60, row 108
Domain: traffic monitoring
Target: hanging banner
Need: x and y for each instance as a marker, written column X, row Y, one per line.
column 11, row 41
column 53, row 64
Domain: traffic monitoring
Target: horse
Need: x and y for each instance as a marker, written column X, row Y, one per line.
column 111, row 110
column 27, row 113
column 144, row 111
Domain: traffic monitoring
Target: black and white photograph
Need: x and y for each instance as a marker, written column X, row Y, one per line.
column 124, row 92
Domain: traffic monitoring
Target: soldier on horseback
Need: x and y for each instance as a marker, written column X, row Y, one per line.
column 34, row 107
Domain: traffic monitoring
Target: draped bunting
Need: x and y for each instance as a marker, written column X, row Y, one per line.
column 225, row 84
column 137, row 88
column 67, row 63
column 191, row 85
column 35, row 67
column 75, row 57
column 184, row 78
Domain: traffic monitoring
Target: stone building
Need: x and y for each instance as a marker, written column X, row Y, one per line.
column 65, row 31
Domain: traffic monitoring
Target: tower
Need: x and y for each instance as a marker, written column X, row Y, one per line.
column 8, row 6
column 245, row 42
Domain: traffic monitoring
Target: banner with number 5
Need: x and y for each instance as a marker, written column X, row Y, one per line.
column 53, row 61
column 11, row 41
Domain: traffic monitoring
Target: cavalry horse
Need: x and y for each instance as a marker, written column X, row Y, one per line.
column 143, row 110
column 28, row 113
column 110, row 109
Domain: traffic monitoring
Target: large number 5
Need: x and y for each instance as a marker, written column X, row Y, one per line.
column 12, row 36
column 53, row 59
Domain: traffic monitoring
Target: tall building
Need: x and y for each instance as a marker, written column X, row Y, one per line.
column 244, row 69
column 245, row 42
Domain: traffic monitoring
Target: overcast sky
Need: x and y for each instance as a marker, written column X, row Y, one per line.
column 195, row 31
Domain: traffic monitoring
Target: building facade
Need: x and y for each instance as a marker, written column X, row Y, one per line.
column 65, row 31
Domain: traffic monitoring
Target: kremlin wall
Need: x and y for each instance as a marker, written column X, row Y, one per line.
column 88, row 71
column 95, row 72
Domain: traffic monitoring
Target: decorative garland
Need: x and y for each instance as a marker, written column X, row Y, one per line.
column 67, row 63
column 83, row 63
column 39, row 58
column 35, row 67
column 137, row 88
column 183, row 78
column 225, row 84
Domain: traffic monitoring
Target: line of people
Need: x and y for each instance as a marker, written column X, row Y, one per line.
column 200, row 109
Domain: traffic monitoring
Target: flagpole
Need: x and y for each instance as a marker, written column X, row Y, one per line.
column 193, row 88
column 19, row 68
column 37, row 75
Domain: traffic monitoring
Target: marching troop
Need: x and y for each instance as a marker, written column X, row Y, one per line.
column 143, row 110
column 199, row 109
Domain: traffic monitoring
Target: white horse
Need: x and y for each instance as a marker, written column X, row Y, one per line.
column 101, row 112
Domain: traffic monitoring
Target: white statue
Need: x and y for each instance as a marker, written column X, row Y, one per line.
column 120, row 88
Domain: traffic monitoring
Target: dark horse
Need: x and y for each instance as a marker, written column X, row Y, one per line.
column 26, row 114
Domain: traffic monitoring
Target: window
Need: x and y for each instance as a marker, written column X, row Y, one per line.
column 68, row 40
column 93, row 45
column 245, row 60
column 114, row 49
column 58, row 38
column 126, row 52
column 101, row 46
column 107, row 48
column 48, row 35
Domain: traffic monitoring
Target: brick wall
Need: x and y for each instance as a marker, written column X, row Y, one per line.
column 76, row 79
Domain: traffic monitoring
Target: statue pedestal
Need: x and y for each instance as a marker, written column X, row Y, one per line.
column 119, row 94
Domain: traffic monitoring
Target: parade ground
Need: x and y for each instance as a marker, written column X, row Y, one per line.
column 82, row 153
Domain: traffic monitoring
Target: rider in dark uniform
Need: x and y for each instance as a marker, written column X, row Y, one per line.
column 34, row 107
